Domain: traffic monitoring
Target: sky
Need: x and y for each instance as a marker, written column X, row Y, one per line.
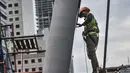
column 118, row 36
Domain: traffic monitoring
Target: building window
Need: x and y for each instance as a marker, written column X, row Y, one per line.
column 19, row 70
column 17, row 33
column 10, row 12
column 17, row 26
column 26, row 61
column 40, row 20
column 10, row 19
column 33, row 61
column 26, row 70
column 45, row 19
column 40, row 69
column 17, row 19
column 9, row 5
column 39, row 60
column 19, row 62
column 33, row 69
column 45, row 14
column 16, row 11
column 15, row 4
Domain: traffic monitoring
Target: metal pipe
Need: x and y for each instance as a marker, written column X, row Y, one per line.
column 12, row 25
column 5, row 25
column 1, row 51
column 21, row 62
column 60, row 41
column 36, row 43
column 5, row 70
column 15, row 65
column 106, row 34
column 29, row 52
column 3, row 38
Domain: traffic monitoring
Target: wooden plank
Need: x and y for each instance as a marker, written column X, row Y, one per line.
column 27, row 43
column 32, row 44
column 18, row 44
column 36, row 43
column 23, row 44
column 14, row 45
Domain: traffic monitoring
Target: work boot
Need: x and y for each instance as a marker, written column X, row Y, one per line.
column 97, row 70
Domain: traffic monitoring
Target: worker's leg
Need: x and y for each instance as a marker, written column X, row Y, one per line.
column 94, row 62
column 91, row 49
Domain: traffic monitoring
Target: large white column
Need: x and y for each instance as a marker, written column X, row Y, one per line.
column 60, row 41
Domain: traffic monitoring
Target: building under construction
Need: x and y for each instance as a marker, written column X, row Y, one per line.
column 44, row 14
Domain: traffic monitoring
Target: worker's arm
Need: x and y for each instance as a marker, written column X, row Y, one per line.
column 88, row 19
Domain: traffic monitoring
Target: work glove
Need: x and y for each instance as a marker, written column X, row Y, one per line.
column 84, row 33
column 79, row 25
column 84, row 36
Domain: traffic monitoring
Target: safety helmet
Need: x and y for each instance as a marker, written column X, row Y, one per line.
column 84, row 9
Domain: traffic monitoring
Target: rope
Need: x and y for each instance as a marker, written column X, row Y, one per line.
column 85, row 53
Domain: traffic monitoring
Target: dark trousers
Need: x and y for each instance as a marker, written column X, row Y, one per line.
column 92, row 42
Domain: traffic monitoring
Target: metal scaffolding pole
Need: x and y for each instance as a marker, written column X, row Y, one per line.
column 106, row 34
column 29, row 36
column 60, row 41
column 1, row 51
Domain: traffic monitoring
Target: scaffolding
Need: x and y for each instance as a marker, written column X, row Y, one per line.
column 21, row 45
column 5, row 61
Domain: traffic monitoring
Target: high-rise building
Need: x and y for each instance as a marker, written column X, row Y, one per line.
column 20, row 14
column 44, row 14
column 3, row 12
column 15, row 17
column 3, row 18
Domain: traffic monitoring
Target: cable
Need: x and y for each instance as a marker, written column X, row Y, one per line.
column 85, row 53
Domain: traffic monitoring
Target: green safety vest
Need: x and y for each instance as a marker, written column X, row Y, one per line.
column 91, row 27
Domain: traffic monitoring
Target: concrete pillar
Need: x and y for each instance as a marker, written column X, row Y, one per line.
column 60, row 41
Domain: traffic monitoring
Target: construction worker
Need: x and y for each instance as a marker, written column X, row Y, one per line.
column 90, row 35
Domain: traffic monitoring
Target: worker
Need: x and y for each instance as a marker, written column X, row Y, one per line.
column 90, row 35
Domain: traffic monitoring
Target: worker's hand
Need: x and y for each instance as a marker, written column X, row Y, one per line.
column 84, row 38
column 79, row 25
column 80, row 15
column 83, row 33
